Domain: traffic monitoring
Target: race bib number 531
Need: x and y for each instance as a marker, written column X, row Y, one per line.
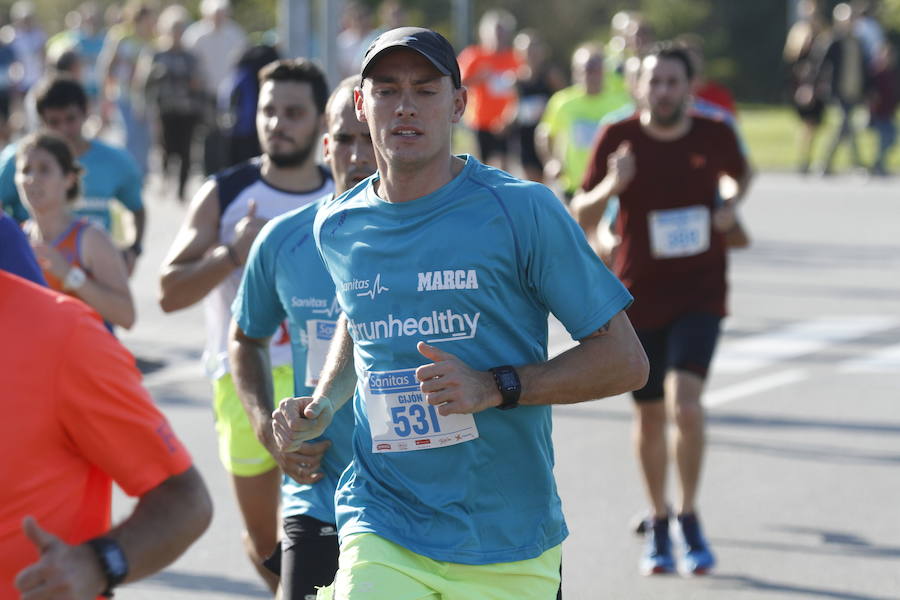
column 401, row 420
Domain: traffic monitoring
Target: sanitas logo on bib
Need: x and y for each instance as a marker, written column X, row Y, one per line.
column 448, row 279
column 365, row 287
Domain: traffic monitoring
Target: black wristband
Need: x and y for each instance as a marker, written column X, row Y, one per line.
column 112, row 561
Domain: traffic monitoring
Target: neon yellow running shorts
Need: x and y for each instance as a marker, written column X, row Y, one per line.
column 239, row 450
column 372, row 568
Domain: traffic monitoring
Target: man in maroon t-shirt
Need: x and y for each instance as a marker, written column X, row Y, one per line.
column 665, row 164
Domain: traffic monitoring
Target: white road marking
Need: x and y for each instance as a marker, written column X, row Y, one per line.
column 881, row 360
column 755, row 386
column 798, row 339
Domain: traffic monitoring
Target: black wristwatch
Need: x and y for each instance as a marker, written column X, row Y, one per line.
column 137, row 248
column 507, row 380
column 112, row 561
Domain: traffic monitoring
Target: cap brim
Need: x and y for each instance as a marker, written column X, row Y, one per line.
column 401, row 46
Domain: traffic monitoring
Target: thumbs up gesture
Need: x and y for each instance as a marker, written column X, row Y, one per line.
column 621, row 165
column 245, row 231
column 452, row 385
column 63, row 572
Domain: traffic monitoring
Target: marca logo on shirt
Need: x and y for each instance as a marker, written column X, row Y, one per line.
column 365, row 287
column 448, row 279
column 698, row 161
column 439, row 326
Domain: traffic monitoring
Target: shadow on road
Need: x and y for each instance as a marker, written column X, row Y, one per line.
column 743, row 582
column 206, row 583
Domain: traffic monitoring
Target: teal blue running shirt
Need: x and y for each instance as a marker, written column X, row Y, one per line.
column 284, row 279
column 473, row 268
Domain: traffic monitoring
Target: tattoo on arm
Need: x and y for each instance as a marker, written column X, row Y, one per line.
column 604, row 330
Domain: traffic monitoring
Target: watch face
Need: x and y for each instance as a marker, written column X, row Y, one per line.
column 115, row 560
column 508, row 380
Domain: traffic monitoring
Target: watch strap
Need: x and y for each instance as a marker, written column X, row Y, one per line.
column 507, row 380
column 112, row 561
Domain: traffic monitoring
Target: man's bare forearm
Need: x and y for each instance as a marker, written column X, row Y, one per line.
column 609, row 363
column 252, row 374
column 184, row 284
column 587, row 207
column 337, row 381
column 165, row 521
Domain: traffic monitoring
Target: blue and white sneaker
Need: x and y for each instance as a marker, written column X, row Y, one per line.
column 657, row 556
column 698, row 558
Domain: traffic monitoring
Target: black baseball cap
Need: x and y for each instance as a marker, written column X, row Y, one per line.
column 426, row 42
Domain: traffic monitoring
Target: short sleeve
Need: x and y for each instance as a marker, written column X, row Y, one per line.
column 604, row 145
column 129, row 190
column 9, row 195
column 731, row 153
column 257, row 308
column 109, row 416
column 568, row 277
column 16, row 255
column 550, row 118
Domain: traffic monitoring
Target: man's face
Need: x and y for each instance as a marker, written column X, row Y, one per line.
column 587, row 68
column 347, row 146
column 665, row 89
column 410, row 108
column 287, row 122
column 66, row 121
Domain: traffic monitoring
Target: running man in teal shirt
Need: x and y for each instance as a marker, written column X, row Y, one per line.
column 446, row 271
column 285, row 279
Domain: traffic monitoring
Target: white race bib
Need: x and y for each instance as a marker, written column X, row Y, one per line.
column 318, row 337
column 679, row 232
column 401, row 420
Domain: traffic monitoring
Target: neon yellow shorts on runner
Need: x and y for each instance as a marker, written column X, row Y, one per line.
column 239, row 450
column 373, row 568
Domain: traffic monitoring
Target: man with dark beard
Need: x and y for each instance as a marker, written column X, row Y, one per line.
column 206, row 262
column 665, row 164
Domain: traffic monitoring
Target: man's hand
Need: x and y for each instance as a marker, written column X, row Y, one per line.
column 725, row 217
column 553, row 169
column 621, row 166
column 245, row 231
column 303, row 465
column 297, row 420
column 63, row 572
column 453, row 386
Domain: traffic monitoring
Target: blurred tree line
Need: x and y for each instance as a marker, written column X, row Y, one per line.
column 743, row 38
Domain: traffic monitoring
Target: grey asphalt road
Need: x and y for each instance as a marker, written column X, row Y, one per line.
column 801, row 491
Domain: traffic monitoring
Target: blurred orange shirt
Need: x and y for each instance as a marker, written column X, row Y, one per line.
column 491, row 99
column 75, row 419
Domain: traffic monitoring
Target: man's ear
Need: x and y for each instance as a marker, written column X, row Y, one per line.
column 326, row 147
column 358, row 104
column 460, row 99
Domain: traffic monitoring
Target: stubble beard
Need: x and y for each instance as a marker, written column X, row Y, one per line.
column 292, row 159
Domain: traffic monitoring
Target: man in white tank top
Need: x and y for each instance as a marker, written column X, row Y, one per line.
column 206, row 261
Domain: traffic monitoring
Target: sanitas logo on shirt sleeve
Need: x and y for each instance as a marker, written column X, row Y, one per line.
column 448, row 279
column 439, row 326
